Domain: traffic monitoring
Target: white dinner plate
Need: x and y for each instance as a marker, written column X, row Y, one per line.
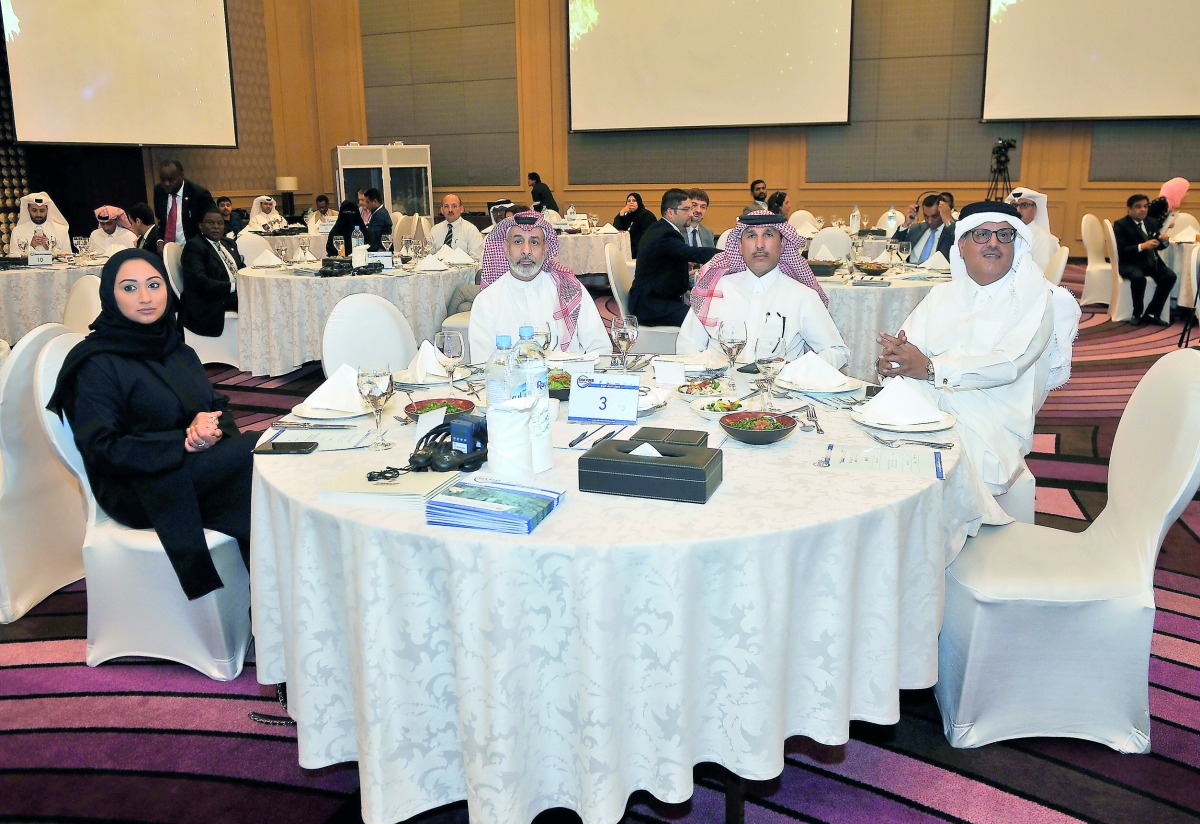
column 405, row 376
column 558, row 356
column 723, row 386
column 316, row 414
column 698, row 405
column 849, row 385
column 946, row 422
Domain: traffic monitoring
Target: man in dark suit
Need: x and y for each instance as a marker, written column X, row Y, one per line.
column 378, row 221
column 178, row 203
column 661, row 277
column 210, row 264
column 142, row 221
column 1138, row 242
column 697, row 233
column 936, row 213
column 540, row 194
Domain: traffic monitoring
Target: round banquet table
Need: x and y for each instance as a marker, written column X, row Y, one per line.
column 1179, row 258
column 616, row 646
column 862, row 312
column 281, row 315
column 584, row 254
column 31, row 296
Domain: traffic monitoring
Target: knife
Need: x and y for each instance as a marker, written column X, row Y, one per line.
column 608, row 435
column 306, row 425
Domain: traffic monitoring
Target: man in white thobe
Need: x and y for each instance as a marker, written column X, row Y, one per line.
column 752, row 282
column 524, row 285
column 263, row 217
column 456, row 232
column 1032, row 207
column 40, row 227
column 113, row 234
column 974, row 344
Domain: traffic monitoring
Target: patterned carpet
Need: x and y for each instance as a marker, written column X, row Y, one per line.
column 138, row 741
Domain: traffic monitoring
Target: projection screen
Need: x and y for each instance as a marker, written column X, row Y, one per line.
column 120, row 71
column 1085, row 59
column 642, row 65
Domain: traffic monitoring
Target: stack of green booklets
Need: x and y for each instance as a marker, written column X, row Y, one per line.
column 482, row 502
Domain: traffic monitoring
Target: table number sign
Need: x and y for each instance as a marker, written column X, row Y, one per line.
column 606, row 398
column 380, row 257
column 41, row 258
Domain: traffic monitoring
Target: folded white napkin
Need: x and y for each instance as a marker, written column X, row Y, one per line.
column 430, row 263
column 428, row 363
column 558, row 356
column 883, row 258
column 358, row 257
column 901, row 403
column 298, row 255
column 655, row 397
column 266, row 258
column 608, row 229
column 823, row 254
column 454, row 257
column 1185, row 235
column 936, row 261
column 811, row 371
column 519, row 439
column 339, row 392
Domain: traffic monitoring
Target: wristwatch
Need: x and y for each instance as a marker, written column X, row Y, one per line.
column 929, row 374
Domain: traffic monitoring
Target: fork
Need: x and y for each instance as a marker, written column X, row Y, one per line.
column 895, row 443
column 812, row 418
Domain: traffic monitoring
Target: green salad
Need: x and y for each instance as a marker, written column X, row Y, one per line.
column 431, row 406
column 722, row 406
column 759, row 423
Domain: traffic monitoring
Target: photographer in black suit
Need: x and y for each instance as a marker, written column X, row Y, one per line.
column 179, row 204
column 210, row 263
column 1138, row 243
column 661, row 277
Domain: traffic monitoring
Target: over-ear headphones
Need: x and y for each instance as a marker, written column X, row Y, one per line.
column 435, row 450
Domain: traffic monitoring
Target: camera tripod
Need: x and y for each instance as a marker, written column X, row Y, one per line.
column 1001, row 183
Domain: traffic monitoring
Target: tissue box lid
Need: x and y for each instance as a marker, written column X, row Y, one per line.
column 677, row 437
column 695, row 463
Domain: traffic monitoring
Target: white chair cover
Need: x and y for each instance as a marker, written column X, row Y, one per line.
column 250, row 246
column 651, row 339
column 1057, row 265
column 1047, row 633
column 724, row 237
column 135, row 603
column 833, row 238
column 1120, row 306
column 1183, row 220
column 83, row 304
column 366, row 331
column 172, row 254
column 1020, row 499
column 1098, row 279
column 41, row 510
column 882, row 222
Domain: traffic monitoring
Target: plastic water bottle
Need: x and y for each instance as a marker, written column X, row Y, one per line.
column 498, row 390
column 571, row 213
column 891, row 220
column 855, row 221
column 356, row 238
column 530, row 378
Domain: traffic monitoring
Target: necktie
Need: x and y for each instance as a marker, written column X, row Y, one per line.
column 695, row 238
column 227, row 259
column 1142, row 229
column 449, row 234
column 928, row 247
column 172, row 219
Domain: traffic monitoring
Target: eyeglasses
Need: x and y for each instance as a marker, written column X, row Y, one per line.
column 982, row 236
column 1025, row 204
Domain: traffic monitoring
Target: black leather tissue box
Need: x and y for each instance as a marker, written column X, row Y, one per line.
column 676, row 437
column 690, row 474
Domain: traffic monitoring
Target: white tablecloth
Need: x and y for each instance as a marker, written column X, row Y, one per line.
column 316, row 244
column 621, row 643
column 30, row 297
column 1178, row 257
column 281, row 315
column 862, row 312
column 584, row 254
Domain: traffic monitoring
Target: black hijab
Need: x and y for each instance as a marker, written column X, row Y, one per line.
column 113, row 333
column 348, row 218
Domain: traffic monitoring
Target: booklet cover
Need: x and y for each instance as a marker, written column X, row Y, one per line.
column 500, row 507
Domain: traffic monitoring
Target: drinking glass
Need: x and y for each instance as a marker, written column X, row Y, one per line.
column 81, row 245
column 386, row 242
column 23, row 246
column 820, row 221
column 541, row 334
column 768, row 355
column 375, row 387
column 731, row 334
column 903, row 249
column 304, row 246
column 281, row 249
column 594, row 220
column 856, row 245
column 339, row 245
column 624, row 335
column 406, row 249
column 450, row 344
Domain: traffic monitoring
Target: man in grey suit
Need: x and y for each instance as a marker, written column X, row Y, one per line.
column 758, row 190
column 697, row 233
column 935, row 212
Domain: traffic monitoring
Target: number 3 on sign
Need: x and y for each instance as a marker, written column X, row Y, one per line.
column 606, row 398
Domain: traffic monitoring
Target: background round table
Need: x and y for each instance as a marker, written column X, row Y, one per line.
column 31, row 296
column 584, row 254
column 862, row 312
column 619, row 644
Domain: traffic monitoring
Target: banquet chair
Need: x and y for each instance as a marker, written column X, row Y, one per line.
column 721, row 240
column 835, row 239
column 41, row 516
column 366, row 331
column 172, row 254
column 803, row 222
column 224, row 347
column 1048, row 632
column 1120, row 306
column 135, row 603
column 83, row 304
column 1057, row 265
column 458, row 315
column 1183, row 220
column 250, row 246
column 651, row 339
column 1098, row 279
column 882, row 222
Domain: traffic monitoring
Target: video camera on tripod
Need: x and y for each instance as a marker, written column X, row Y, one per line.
column 1001, row 184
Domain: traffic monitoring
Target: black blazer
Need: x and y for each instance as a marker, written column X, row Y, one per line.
column 380, row 223
column 661, row 276
column 196, row 200
column 636, row 223
column 1132, row 261
column 540, row 193
column 206, row 293
column 915, row 234
column 149, row 241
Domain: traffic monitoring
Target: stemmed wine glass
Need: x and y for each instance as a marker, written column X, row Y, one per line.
column 820, row 221
column 375, row 387
column 543, row 336
column 23, row 246
column 624, row 335
column 281, row 249
column 768, row 355
column 304, row 246
column 731, row 334
column 339, row 245
column 450, row 344
column 386, row 242
column 81, row 245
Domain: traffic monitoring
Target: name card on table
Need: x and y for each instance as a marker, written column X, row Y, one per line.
column 41, row 258
column 606, row 398
column 380, row 257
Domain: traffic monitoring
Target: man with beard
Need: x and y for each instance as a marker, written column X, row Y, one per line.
column 39, row 223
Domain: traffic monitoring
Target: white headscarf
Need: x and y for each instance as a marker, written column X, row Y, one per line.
column 1042, row 218
column 256, row 209
column 53, row 216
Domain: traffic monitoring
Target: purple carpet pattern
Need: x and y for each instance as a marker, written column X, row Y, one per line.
column 142, row 741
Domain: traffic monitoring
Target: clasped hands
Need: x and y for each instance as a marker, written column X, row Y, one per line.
column 908, row 359
column 203, row 432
